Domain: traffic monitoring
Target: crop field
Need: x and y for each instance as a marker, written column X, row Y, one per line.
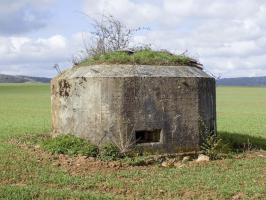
column 25, row 109
column 242, row 110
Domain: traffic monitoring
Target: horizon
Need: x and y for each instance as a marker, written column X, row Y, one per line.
column 36, row 35
column 57, row 74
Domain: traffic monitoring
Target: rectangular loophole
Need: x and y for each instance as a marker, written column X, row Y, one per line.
column 148, row 136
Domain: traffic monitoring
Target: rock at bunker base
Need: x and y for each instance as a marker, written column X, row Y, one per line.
column 203, row 158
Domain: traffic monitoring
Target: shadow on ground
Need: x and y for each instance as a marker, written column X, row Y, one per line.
column 243, row 142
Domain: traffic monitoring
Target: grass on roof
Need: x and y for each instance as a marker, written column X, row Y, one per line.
column 141, row 57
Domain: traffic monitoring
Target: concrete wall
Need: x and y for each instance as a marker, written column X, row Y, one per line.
column 102, row 109
column 207, row 107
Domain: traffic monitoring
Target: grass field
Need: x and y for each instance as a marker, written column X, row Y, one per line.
column 25, row 109
column 242, row 110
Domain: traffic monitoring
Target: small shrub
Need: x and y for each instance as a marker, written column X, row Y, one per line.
column 109, row 151
column 214, row 147
column 70, row 145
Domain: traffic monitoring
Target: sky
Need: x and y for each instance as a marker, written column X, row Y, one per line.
column 227, row 37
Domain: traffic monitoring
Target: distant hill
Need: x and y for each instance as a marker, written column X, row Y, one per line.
column 22, row 79
column 242, row 81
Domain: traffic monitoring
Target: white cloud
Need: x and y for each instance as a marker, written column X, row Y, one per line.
column 229, row 37
column 24, row 55
column 25, row 50
column 131, row 12
column 28, row 56
column 22, row 16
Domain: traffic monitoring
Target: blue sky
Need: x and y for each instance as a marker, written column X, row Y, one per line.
column 228, row 37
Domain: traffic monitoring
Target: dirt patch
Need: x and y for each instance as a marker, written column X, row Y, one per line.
column 255, row 154
column 75, row 165
column 81, row 165
column 239, row 196
column 203, row 193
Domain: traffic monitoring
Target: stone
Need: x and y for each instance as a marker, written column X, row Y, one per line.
column 168, row 163
column 91, row 159
column 160, row 107
column 186, row 159
column 203, row 158
column 239, row 196
column 57, row 164
column 62, row 156
column 179, row 164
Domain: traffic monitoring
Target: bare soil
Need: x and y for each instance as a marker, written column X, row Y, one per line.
column 78, row 165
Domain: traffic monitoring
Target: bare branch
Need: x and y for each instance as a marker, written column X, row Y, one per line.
column 109, row 34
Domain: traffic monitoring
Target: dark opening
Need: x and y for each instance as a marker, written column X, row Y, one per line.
column 145, row 136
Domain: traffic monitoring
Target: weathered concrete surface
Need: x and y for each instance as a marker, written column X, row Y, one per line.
column 105, row 103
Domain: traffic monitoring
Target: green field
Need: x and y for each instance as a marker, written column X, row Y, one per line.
column 242, row 110
column 241, row 113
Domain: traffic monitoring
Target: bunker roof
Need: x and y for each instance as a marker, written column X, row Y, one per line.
column 142, row 63
column 133, row 71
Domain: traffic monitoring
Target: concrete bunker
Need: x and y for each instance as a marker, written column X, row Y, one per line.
column 158, row 108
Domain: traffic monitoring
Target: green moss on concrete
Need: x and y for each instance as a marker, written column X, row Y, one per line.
column 142, row 57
